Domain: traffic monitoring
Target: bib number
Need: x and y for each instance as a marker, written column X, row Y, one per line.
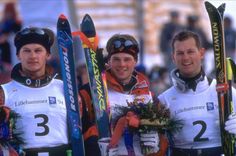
column 199, row 137
column 43, row 125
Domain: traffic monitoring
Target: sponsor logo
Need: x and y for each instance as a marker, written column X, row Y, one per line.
column 52, row 100
column 98, row 84
column 217, row 51
column 64, row 41
column 173, row 98
column 187, row 109
column 210, row 106
column 14, row 90
column 30, row 102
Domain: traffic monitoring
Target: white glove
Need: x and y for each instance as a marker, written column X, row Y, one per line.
column 230, row 124
column 150, row 139
column 105, row 150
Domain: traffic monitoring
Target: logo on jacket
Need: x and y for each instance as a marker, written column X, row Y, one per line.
column 142, row 84
column 52, row 100
column 210, row 106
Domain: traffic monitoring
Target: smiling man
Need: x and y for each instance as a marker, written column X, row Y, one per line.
column 124, row 85
column 187, row 56
column 193, row 99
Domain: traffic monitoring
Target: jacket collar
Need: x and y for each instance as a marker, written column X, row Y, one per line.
column 114, row 84
column 27, row 81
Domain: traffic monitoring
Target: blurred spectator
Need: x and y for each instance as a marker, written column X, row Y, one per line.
column 141, row 68
column 5, row 72
column 82, row 75
column 193, row 25
column 9, row 24
column 230, row 38
column 167, row 32
column 159, row 80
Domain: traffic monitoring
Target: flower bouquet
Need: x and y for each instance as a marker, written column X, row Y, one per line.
column 8, row 137
column 144, row 118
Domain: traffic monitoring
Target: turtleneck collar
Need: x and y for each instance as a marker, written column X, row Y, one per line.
column 16, row 75
column 193, row 81
column 183, row 83
column 119, row 86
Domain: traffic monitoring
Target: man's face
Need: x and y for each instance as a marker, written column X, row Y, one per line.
column 122, row 66
column 187, row 57
column 33, row 59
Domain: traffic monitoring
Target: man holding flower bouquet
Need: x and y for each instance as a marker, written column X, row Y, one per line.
column 126, row 87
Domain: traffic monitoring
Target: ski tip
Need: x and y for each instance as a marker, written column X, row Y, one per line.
column 207, row 4
column 63, row 23
column 210, row 7
column 87, row 26
column 62, row 16
column 87, row 18
column 222, row 7
column 86, row 15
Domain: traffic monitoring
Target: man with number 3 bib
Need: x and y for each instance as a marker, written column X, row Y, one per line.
column 193, row 99
column 36, row 94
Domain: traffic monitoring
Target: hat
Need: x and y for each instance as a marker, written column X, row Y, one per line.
column 122, row 43
column 42, row 36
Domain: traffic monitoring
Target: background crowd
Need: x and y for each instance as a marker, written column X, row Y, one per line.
column 13, row 19
column 182, row 47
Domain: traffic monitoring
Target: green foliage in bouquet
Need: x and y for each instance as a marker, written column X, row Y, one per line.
column 152, row 117
column 8, row 134
column 144, row 118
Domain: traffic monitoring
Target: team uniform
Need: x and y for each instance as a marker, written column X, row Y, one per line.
column 41, row 106
column 138, row 89
column 199, row 112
